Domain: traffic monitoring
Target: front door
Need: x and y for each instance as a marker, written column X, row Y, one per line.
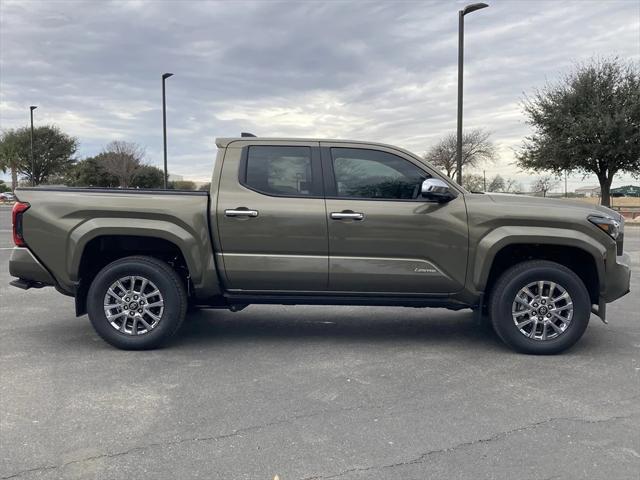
column 271, row 218
column 383, row 236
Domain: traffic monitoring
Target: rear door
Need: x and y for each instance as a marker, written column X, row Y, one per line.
column 271, row 217
column 383, row 236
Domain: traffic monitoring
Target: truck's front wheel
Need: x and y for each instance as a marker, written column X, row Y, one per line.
column 136, row 303
column 539, row 307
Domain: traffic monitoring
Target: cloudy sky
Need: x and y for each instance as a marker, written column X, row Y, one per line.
column 368, row 70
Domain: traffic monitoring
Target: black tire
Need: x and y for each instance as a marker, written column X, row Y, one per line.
column 512, row 281
column 167, row 282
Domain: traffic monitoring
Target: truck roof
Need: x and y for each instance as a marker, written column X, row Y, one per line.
column 225, row 141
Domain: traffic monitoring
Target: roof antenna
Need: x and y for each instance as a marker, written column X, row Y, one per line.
column 247, row 134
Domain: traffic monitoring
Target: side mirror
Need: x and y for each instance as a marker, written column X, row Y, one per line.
column 437, row 190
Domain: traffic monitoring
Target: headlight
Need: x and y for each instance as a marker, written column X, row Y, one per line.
column 606, row 224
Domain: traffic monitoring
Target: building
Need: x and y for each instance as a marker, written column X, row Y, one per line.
column 589, row 191
column 626, row 191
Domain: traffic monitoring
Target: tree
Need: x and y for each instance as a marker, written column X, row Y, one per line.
column 90, row 173
column 504, row 185
column 205, row 187
column 496, row 184
column 99, row 171
column 182, row 185
column 148, row 176
column 53, row 152
column 9, row 158
column 511, row 185
column 122, row 160
column 589, row 123
column 476, row 148
column 473, row 182
column 544, row 184
column 3, row 187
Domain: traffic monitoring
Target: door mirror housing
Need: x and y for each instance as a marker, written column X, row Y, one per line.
column 437, row 190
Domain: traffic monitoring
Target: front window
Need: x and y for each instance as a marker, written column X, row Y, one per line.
column 374, row 174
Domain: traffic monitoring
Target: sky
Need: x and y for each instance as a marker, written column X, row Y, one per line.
column 382, row 71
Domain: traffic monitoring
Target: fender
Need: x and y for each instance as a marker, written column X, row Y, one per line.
column 488, row 247
column 200, row 263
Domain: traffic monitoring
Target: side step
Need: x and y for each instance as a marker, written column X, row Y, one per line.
column 240, row 300
column 26, row 284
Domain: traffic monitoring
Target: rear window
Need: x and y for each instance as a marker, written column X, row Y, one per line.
column 280, row 170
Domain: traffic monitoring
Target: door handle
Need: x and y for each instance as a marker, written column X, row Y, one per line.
column 240, row 212
column 347, row 215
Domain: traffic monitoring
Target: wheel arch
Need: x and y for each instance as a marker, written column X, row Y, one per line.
column 97, row 242
column 507, row 246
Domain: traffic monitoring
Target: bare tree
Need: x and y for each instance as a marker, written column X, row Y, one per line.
column 122, row 160
column 504, row 185
column 544, row 184
column 476, row 148
column 511, row 185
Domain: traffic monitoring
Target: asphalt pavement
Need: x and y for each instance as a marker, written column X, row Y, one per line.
column 313, row 393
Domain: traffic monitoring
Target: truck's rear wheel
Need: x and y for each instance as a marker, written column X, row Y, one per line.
column 136, row 303
column 540, row 307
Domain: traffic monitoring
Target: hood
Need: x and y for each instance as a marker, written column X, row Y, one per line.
column 554, row 203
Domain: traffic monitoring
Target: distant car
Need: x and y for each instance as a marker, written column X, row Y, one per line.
column 7, row 197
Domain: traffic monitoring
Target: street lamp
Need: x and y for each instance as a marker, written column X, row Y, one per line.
column 468, row 9
column 33, row 165
column 164, row 126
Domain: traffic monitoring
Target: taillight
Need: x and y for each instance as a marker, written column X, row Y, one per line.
column 16, row 217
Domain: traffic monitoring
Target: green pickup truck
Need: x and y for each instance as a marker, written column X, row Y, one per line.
column 331, row 222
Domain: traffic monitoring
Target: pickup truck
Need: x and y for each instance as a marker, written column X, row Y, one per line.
column 331, row 222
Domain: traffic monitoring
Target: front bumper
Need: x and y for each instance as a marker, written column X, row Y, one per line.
column 618, row 278
column 27, row 268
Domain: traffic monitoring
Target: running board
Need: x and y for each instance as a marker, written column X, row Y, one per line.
column 443, row 301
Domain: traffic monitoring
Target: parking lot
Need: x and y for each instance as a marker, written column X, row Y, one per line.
column 313, row 393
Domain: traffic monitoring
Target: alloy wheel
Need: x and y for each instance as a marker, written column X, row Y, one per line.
column 133, row 305
column 542, row 310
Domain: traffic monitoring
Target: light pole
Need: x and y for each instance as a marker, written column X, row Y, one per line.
column 468, row 9
column 164, row 126
column 33, row 165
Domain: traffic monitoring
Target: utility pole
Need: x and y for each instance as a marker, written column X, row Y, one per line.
column 484, row 180
column 164, row 126
column 33, row 164
column 468, row 9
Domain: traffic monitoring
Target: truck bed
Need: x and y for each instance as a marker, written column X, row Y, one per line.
column 62, row 223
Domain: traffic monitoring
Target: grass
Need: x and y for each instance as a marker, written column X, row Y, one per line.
column 615, row 201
